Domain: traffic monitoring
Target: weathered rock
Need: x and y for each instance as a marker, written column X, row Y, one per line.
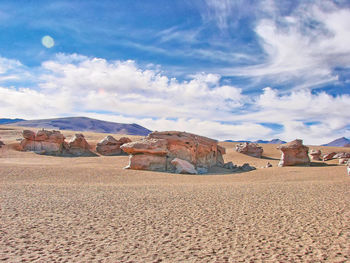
column 294, row 153
column 29, row 135
column 44, row 142
column 78, row 146
column 251, row 149
column 342, row 155
column 246, row 167
column 315, row 155
column 328, row 156
column 348, row 168
column 110, row 146
column 1, row 144
column 199, row 151
column 344, row 161
column 147, row 162
column 183, row 167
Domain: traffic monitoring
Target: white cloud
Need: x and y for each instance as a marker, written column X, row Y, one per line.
column 303, row 47
column 74, row 85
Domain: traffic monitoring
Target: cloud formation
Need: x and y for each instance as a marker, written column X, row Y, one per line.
column 75, row 85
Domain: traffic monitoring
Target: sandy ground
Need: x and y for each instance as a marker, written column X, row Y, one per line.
column 56, row 209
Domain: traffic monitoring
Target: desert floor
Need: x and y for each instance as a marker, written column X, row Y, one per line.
column 89, row 209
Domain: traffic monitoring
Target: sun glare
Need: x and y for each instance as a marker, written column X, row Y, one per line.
column 47, row 41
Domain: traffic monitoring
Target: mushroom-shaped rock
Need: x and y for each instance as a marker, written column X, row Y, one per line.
column 315, row 155
column 328, row 156
column 294, row 153
column 251, row 149
column 199, row 151
column 183, row 167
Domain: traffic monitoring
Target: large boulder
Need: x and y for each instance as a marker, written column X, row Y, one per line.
column 315, row 155
column 251, row 149
column 164, row 147
column 110, row 146
column 78, row 146
column 45, row 142
column 294, row 153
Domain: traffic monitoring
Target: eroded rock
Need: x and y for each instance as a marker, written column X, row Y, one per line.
column 199, row 151
column 315, row 155
column 251, row 149
column 110, row 146
column 294, row 153
column 328, row 156
column 183, row 167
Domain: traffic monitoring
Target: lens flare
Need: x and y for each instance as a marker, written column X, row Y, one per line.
column 47, row 42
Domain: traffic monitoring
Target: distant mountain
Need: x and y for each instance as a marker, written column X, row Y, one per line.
column 274, row 141
column 7, row 121
column 340, row 142
column 86, row 124
column 235, row 141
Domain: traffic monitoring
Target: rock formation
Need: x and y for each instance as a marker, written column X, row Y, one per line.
column 294, row 153
column 315, row 155
column 1, row 144
column 78, row 146
column 44, row 142
column 110, row 146
column 343, row 161
column 53, row 143
column 328, row 156
column 159, row 149
column 251, row 149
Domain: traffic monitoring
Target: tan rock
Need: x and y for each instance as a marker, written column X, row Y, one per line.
column 183, row 167
column 77, row 145
column 199, row 151
column 294, row 153
column 110, row 146
column 147, row 162
column 328, row 156
column 251, row 149
column 315, row 155
column 44, row 142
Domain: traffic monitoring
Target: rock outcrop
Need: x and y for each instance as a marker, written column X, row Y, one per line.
column 1, row 144
column 110, row 146
column 328, row 156
column 344, row 161
column 159, row 149
column 251, row 149
column 53, row 143
column 315, row 155
column 294, row 153
column 44, row 142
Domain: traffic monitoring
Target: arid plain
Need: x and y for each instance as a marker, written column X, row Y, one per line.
column 90, row 209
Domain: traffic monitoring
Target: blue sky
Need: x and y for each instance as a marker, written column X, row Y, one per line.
column 225, row 69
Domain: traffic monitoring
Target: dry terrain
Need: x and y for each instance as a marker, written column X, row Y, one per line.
column 89, row 209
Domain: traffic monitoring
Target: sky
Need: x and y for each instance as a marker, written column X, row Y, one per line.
column 239, row 69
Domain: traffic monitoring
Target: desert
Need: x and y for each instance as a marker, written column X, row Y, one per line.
column 90, row 209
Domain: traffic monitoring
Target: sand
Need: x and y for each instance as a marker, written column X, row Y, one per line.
column 89, row 209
